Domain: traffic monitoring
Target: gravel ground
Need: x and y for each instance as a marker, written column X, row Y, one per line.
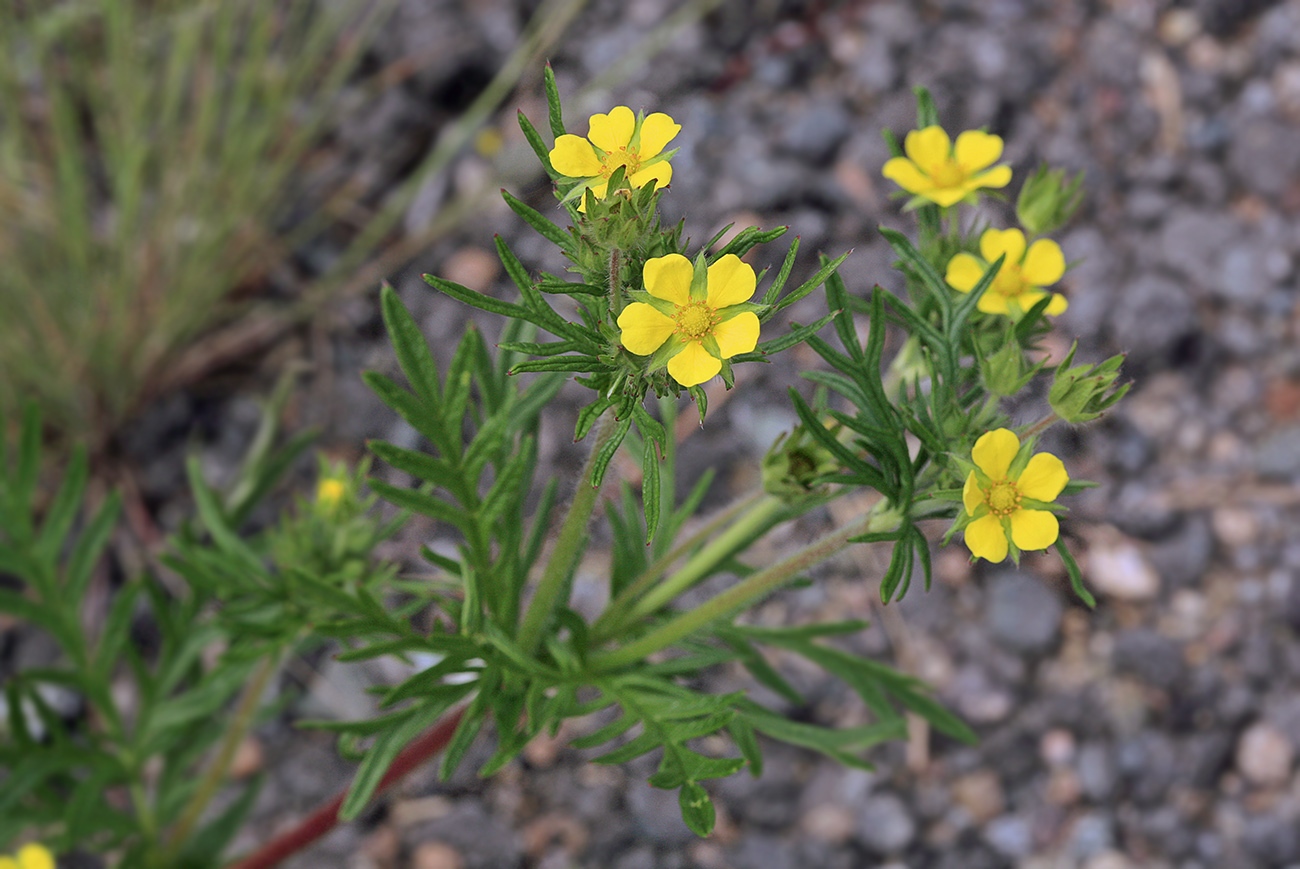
column 1159, row 730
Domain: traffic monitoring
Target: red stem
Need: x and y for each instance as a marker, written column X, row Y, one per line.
column 325, row 818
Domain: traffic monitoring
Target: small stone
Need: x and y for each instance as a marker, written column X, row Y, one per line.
column 885, row 825
column 1235, row 526
column 980, row 794
column 1023, row 614
column 1264, row 755
column 472, row 267
column 1108, row 860
column 249, row 759
column 831, row 823
column 436, row 855
column 1010, row 835
column 1056, row 747
column 1154, row 659
column 1093, row 835
column 1117, row 567
column 1097, row 775
column 1278, row 454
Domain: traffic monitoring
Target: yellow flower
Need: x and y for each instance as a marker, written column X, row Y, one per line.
column 617, row 139
column 329, row 492
column 994, row 498
column 1019, row 283
column 694, row 332
column 936, row 170
column 30, row 856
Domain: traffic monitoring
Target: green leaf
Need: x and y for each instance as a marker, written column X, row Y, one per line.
column 650, row 494
column 412, row 350
column 539, row 147
column 697, row 809
column 375, row 764
column 1076, row 577
column 534, row 218
column 554, row 113
column 424, row 504
column 806, row 287
column 602, row 458
column 787, row 265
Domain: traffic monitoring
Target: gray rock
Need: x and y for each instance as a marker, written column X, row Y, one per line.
column 1278, row 454
column 885, row 824
column 816, row 132
column 758, row 851
column 1182, row 557
column 1151, row 315
column 1022, row 613
column 1097, row 774
column 657, row 815
column 481, row 837
column 1260, row 152
column 1092, row 834
column 1155, row 659
column 1011, row 836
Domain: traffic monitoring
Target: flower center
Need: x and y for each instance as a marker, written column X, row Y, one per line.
column 695, row 320
column 1009, row 281
column 947, row 174
column 621, row 157
column 1003, row 498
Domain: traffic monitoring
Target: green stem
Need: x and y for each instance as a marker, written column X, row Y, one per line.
column 615, row 285
column 1040, row 425
column 750, row 524
column 213, row 777
column 613, row 619
column 736, row 598
column 559, row 568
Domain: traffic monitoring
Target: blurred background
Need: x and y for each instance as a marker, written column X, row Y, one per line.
column 198, row 201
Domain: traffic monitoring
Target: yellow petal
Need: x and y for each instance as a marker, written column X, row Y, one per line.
column 971, row 494
column 661, row 173
column 693, row 365
column 1057, row 306
column 731, row 282
column 995, row 242
column 904, row 173
column 998, row 176
column 572, row 156
column 1043, row 478
column 928, row 146
column 669, row 277
column 994, row 451
column 986, row 538
column 964, row 272
column 613, row 131
column 9, row 863
column 657, row 130
column 993, row 302
column 1034, row 529
column 945, row 196
column 737, row 335
column 644, row 329
column 33, row 856
column 976, row 149
column 1044, row 263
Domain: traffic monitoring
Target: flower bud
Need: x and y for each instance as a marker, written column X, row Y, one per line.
column 1084, row 392
column 1047, row 200
column 1004, row 371
column 793, row 465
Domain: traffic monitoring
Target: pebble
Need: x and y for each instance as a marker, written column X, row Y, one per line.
column 436, row 855
column 1023, row 613
column 1117, row 567
column 1011, row 836
column 885, row 824
column 980, row 794
column 1278, row 455
column 1264, row 755
column 1155, row 659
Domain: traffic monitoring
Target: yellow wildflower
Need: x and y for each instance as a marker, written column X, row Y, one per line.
column 329, row 492
column 619, row 138
column 30, row 856
column 1019, row 283
column 944, row 173
column 693, row 331
column 994, row 496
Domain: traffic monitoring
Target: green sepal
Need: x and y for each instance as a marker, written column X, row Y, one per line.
column 700, row 280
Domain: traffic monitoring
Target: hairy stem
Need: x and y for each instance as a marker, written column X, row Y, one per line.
column 555, row 578
column 240, row 723
column 738, row 597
